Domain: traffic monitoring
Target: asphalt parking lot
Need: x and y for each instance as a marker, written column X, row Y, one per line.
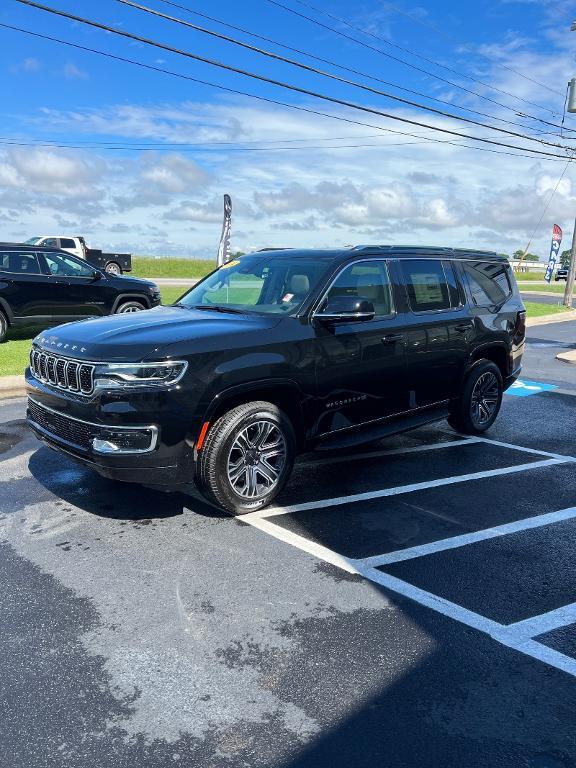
column 408, row 605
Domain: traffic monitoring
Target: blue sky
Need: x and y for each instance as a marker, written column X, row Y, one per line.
column 179, row 145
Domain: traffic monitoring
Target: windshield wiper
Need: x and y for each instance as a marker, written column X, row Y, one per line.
column 218, row 308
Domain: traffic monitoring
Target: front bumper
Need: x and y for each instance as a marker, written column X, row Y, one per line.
column 143, row 440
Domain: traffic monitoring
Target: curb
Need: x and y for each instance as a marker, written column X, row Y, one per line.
column 12, row 386
column 561, row 317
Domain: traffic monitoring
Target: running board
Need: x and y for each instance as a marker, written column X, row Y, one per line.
column 376, row 432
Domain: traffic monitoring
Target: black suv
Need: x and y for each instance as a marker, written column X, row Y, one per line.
column 277, row 353
column 43, row 286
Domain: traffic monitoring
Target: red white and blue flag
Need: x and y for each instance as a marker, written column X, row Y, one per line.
column 554, row 251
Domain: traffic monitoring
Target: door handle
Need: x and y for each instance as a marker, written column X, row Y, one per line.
column 392, row 338
column 463, row 327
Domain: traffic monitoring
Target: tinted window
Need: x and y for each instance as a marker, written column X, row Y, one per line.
column 367, row 281
column 64, row 265
column 66, row 242
column 489, row 283
column 426, row 284
column 20, row 263
column 51, row 242
column 263, row 283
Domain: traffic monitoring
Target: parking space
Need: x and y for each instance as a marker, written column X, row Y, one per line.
column 413, row 603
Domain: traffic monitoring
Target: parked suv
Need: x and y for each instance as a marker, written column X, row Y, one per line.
column 561, row 274
column 275, row 354
column 46, row 286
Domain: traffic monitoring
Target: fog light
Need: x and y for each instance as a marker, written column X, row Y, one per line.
column 104, row 446
column 125, row 440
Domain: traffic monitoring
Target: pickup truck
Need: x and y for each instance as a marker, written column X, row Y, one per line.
column 114, row 263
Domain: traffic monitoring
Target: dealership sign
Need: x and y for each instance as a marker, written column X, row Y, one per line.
column 554, row 249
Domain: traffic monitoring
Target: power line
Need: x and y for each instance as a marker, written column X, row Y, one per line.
column 465, row 46
column 322, row 73
column 331, row 63
column 409, row 64
column 290, row 87
column 548, row 156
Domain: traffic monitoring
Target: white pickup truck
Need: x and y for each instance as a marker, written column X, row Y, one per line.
column 115, row 263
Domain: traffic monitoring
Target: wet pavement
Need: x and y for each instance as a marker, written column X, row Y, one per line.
column 408, row 605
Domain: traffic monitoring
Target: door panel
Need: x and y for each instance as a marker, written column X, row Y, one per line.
column 436, row 340
column 73, row 287
column 27, row 290
column 361, row 365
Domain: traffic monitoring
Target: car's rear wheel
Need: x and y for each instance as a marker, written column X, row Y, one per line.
column 3, row 326
column 247, row 457
column 130, row 306
column 113, row 268
column 479, row 404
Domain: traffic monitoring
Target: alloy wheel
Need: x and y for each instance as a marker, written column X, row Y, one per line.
column 485, row 397
column 256, row 459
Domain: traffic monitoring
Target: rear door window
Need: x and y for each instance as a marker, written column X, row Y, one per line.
column 489, row 283
column 66, row 242
column 426, row 284
column 20, row 263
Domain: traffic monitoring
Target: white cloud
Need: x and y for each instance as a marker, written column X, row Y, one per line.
column 28, row 65
column 72, row 72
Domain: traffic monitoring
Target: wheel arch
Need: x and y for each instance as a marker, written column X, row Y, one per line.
column 129, row 297
column 6, row 311
column 284, row 393
column 496, row 353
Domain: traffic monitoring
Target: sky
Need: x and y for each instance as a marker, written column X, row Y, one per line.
column 138, row 159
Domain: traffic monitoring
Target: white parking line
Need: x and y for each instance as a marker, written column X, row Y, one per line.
column 410, row 488
column 518, row 635
column 539, row 625
column 473, row 537
column 514, row 447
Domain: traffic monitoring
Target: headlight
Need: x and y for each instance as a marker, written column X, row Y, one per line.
column 139, row 375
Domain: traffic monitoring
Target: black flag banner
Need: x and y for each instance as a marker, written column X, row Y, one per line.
column 224, row 247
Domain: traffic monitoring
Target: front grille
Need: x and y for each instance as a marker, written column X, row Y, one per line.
column 63, row 373
column 76, row 433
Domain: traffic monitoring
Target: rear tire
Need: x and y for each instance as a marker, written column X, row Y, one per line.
column 3, row 327
column 113, row 268
column 479, row 403
column 247, row 457
column 127, row 307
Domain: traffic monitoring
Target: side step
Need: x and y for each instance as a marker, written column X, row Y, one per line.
column 377, row 432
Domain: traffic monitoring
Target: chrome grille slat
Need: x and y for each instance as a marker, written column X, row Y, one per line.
column 62, row 372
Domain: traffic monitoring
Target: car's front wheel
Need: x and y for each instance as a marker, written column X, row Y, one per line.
column 479, row 403
column 3, row 327
column 130, row 306
column 247, row 457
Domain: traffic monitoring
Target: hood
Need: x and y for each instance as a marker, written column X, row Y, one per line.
column 123, row 282
column 144, row 335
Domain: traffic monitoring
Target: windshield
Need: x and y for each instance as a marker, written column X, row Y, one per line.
column 263, row 283
column 31, row 241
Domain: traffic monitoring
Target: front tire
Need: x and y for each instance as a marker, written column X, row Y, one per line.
column 3, row 327
column 479, row 403
column 247, row 457
column 130, row 306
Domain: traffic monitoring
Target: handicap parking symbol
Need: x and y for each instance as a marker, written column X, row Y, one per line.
column 523, row 388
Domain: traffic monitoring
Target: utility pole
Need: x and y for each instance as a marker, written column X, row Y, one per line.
column 569, row 292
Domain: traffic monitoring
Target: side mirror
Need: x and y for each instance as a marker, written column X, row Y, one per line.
column 96, row 275
column 346, row 309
